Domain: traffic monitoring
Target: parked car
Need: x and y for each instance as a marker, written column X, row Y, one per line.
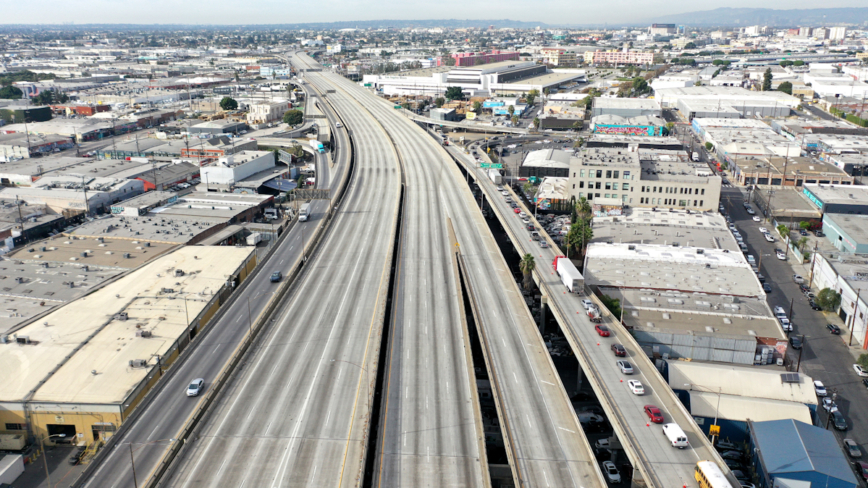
column 636, row 387
column 763, row 230
column 611, row 472
column 862, row 469
column 829, row 405
column 740, row 475
column 769, row 237
column 731, row 464
column 796, row 342
column 858, row 369
column 733, row 455
column 781, row 256
column 853, row 449
column 625, row 367
column 767, row 287
column 619, row 350
column 756, row 218
column 814, row 305
column 654, row 414
column 75, row 458
column 803, row 232
column 819, row 388
column 602, row 330
column 819, row 233
column 726, row 446
column 838, row 420
column 834, row 329
column 798, row 279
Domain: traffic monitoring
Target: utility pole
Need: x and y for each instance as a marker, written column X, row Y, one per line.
column 853, row 317
column 86, row 206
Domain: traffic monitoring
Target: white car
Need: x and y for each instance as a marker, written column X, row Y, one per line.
column 504, row 193
column 819, row 389
column 858, row 369
column 195, row 387
column 636, row 387
column 785, row 324
column 769, row 238
column 780, row 310
column 781, row 256
column 763, row 230
column 756, row 218
column 829, row 405
column 588, row 304
column 522, row 215
column 611, row 472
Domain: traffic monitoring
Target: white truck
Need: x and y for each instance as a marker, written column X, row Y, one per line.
column 570, row 276
column 304, row 213
column 254, row 239
column 271, row 213
column 695, row 156
column 317, row 146
column 675, row 435
column 495, row 176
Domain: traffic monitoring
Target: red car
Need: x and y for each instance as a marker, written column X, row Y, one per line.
column 654, row 414
column 516, row 210
column 619, row 350
column 862, row 469
column 602, row 330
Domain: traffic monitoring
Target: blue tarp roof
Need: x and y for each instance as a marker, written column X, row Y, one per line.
column 280, row 184
column 790, row 446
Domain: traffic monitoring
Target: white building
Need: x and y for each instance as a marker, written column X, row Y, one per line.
column 229, row 170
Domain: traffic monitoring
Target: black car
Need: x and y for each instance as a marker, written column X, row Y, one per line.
column 865, row 382
column 740, row 475
column 838, row 420
column 619, row 350
column 732, row 455
column 75, row 458
column 834, row 329
column 804, row 288
column 819, row 233
column 803, row 232
column 726, row 446
column 734, row 465
column 814, row 305
column 276, row 276
column 767, row 287
column 796, row 342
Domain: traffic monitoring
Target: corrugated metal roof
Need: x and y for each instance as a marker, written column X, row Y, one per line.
column 705, row 404
column 745, row 381
column 790, row 446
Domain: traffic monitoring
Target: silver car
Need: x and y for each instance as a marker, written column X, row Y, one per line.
column 195, row 387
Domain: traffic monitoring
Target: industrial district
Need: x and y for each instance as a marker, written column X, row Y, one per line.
column 479, row 256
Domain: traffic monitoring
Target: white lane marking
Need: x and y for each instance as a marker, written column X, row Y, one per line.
column 215, row 349
column 153, row 432
column 568, row 430
column 282, row 260
column 238, row 319
column 548, row 383
column 527, row 419
column 515, row 377
column 328, row 416
column 546, row 477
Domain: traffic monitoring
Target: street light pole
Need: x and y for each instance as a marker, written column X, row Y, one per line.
column 133, row 464
column 45, row 456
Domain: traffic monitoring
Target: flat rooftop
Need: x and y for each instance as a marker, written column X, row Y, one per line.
column 856, row 226
column 642, row 226
column 87, row 332
column 787, row 202
column 546, row 80
column 744, row 381
column 670, row 267
column 43, row 286
column 147, row 228
column 839, row 194
column 850, row 267
column 40, row 166
column 628, row 103
column 113, row 253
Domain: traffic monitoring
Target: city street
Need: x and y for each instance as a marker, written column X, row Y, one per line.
column 825, row 357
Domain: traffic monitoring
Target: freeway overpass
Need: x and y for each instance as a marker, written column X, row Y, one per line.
column 655, row 461
column 464, row 125
column 297, row 411
column 151, row 430
column 545, row 442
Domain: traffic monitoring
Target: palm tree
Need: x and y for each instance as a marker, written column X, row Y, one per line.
column 527, row 265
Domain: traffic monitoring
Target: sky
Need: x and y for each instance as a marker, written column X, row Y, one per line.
column 295, row 11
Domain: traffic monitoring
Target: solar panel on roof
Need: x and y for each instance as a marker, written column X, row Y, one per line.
column 790, row 378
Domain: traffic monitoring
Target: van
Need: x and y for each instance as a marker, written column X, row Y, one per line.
column 751, row 259
column 675, row 435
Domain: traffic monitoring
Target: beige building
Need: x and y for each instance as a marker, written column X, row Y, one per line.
column 265, row 113
column 558, row 57
column 612, row 178
column 82, row 369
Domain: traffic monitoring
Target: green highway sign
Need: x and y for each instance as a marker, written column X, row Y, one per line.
column 484, row 165
column 497, row 166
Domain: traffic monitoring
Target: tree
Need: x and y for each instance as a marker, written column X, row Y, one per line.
column 767, row 80
column 801, row 243
column 536, row 122
column 293, row 117
column 531, row 96
column 511, row 110
column 613, row 304
column 804, row 225
column 798, row 63
column 228, row 103
column 477, row 106
column 454, row 93
column 828, row 299
column 527, row 265
column 514, row 120
column 11, row 93
column 439, row 101
column 786, row 87
column 580, row 141
column 863, row 361
column 709, row 146
column 690, row 45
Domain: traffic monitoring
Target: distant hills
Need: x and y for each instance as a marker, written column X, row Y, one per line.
column 734, row 17
column 351, row 24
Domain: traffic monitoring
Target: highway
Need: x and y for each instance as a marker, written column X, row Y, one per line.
column 296, row 413
column 653, row 459
column 549, row 447
column 161, row 418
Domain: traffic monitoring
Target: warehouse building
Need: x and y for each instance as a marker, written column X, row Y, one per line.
column 227, row 171
column 643, row 125
column 64, row 193
column 793, row 453
column 847, row 274
column 842, row 199
column 546, row 162
column 217, row 127
column 734, row 393
column 82, row 369
column 848, row 233
column 17, row 145
column 626, row 107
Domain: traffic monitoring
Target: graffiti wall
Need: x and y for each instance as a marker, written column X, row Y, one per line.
column 628, row 130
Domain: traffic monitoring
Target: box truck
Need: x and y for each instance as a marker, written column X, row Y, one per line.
column 254, row 239
column 304, row 213
column 318, row 147
column 495, row 176
column 570, row 276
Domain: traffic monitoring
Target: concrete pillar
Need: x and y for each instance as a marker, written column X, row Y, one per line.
column 579, row 377
column 542, row 314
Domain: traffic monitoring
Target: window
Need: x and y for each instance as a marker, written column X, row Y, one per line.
column 574, row 173
column 615, row 174
column 581, row 173
column 627, row 175
column 597, row 195
column 694, row 203
column 642, row 189
column 682, row 203
column 599, row 173
column 614, row 186
column 703, row 191
column 581, row 184
column 15, row 427
column 608, row 173
column 608, row 185
column 625, row 186
column 702, row 203
column 574, row 186
column 607, row 195
column 597, row 186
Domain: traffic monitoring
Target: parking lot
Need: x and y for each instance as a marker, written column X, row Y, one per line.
column 824, row 356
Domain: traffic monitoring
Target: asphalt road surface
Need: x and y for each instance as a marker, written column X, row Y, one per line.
column 163, row 418
column 296, row 414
